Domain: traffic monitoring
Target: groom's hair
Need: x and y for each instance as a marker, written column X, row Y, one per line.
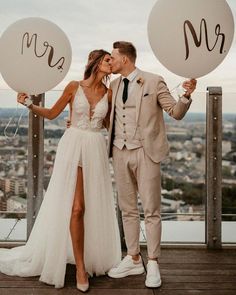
column 126, row 48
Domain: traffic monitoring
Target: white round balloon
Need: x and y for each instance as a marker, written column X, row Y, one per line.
column 191, row 37
column 35, row 55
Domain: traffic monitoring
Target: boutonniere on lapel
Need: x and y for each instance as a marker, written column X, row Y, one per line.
column 140, row 81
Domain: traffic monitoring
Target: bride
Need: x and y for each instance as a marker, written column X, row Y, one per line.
column 76, row 222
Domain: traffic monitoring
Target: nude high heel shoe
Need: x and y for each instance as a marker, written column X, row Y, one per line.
column 83, row 287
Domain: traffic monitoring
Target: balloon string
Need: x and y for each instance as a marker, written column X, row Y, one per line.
column 17, row 125
column 176, row 87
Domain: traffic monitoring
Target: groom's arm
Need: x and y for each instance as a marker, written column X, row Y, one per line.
column 175, row 109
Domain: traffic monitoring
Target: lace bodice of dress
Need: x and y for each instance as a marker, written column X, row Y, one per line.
column 81, row 112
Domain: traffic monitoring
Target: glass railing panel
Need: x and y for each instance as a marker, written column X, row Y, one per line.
column 13, row 168
column 183, row 173
column 229, row 168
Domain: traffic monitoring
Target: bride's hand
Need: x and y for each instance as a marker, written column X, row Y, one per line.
column 21, row 97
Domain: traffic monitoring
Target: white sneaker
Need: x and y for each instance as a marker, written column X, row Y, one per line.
column 126, row 268
column 153, row 278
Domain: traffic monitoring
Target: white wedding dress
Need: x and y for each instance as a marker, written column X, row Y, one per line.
column 49, row 247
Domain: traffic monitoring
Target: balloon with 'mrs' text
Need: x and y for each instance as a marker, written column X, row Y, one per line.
column 191, row 37
column 35, row 55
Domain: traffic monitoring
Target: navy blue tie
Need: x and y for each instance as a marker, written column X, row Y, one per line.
column 125, row 91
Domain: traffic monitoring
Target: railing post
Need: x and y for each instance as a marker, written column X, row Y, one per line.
column 213, row 167
column 35, row 164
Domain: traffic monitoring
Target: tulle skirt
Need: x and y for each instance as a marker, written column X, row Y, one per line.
column 49, row 247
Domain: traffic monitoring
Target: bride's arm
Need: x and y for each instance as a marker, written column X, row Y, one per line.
column 57, row 108
column 106, row 121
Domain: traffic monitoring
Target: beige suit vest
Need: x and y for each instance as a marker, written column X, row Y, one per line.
column 125, row 123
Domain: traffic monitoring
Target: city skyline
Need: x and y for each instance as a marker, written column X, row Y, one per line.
column 109, row 22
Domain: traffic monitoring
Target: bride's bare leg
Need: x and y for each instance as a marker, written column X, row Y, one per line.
column 77, row 228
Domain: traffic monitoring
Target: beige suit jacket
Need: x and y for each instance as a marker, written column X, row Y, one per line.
column 152, row 97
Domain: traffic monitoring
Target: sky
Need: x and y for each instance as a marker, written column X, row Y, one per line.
column 95, row 24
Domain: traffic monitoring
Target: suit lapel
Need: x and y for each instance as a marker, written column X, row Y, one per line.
column 138, row 94
column 114, row 96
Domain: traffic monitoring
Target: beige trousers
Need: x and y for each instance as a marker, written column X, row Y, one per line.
column 136, row 173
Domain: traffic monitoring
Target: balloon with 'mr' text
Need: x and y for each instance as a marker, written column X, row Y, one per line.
column 191, row 37
column 35, row 55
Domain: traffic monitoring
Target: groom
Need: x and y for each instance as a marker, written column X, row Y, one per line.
column 138, row 143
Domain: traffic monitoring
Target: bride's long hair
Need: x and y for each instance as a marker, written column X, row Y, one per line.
column 94, row 59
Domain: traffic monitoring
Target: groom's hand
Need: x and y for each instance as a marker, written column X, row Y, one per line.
column 189, row 86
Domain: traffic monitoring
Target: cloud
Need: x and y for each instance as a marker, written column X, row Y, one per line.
column 98, row 23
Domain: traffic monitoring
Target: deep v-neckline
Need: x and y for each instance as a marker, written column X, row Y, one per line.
column 92, row 111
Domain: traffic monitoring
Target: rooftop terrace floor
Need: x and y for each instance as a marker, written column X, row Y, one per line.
column 184, row 271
